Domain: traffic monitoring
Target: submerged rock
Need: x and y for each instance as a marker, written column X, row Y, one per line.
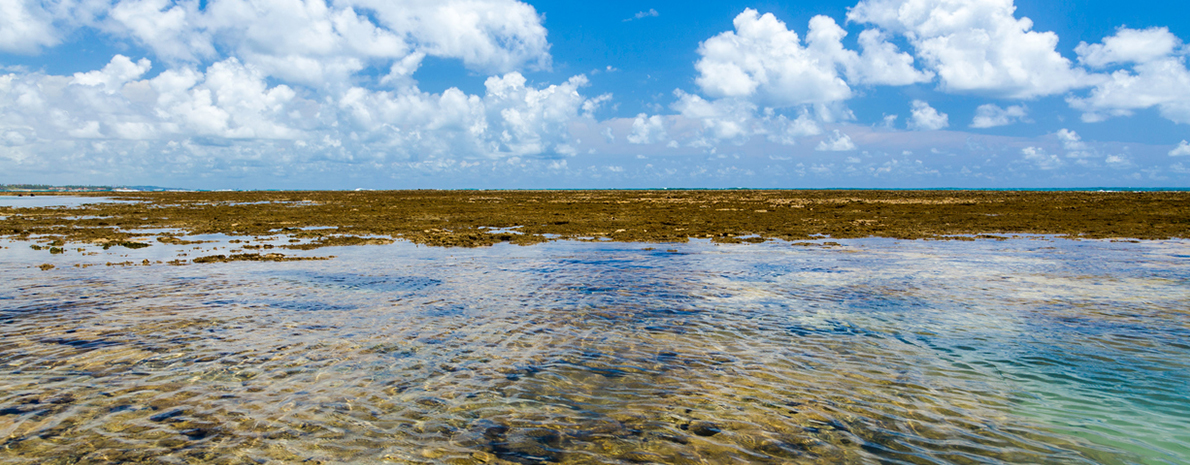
column 704, row 428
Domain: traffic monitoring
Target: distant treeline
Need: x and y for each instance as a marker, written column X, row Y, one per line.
column 49, row 188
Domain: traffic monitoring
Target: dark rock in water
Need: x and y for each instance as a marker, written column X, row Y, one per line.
column 198, row 434
column 495, row 432
column 780, row 449
column 63, row 399
column 642, row 457
column 489, row 429
column 430, row 401
column 673, row 438
column 81, row 343
column 545, row 436
column 704, row 428
column 167, row 415
column 528, row 446
column 525, row 451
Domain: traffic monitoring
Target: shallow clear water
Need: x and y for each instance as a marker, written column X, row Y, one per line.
column 880, row 351
column 46, row 201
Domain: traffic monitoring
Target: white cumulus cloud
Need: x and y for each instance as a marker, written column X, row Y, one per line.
column 228, row 100
column 923, row 117
column 647, row 129
column 1041, row 159
column 1070, row 140
column 286, row 77
column 1073, row 144
column 737, row 120
column 762, row 59
column 25, row 27
column 28, row 26
column 991, row 115
column 880, row 63
column 977, row 46
column 836, row 142
column 766, row 62
column 230, row 112
column 1117, row 161
column 786, row 131
column 1129, row 46
column 1159, row 78
column 1183, row 149
column 721, row 119
column 317, row 43
column 115, row 74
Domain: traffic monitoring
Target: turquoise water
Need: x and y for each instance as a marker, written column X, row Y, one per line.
column 1032, row 350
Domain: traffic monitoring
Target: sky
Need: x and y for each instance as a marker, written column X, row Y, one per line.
column 400, row 94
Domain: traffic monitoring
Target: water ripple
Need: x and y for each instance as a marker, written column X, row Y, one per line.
column 876, row 352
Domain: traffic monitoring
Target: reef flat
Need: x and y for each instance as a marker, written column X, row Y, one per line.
column 480, row 218
column 211, row 328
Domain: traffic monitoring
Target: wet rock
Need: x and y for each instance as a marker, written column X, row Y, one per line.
column 780, row 448
column 167, row 415
column 60, row 400
column 253, row 257
column 171, row 240
column 545, row 436
column 674, row 438
column 642, row 457
column 198, row 434
column 704, row 428
column 604, row 428
column 125, row 244
column 430, row 402
column 525, row 451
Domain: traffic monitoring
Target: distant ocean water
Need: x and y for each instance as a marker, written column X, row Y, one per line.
column 892, row 189
column 1027, row 350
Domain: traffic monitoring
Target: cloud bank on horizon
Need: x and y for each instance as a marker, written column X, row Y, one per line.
column 317, row 94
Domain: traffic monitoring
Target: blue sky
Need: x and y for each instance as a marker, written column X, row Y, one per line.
column 262, row 94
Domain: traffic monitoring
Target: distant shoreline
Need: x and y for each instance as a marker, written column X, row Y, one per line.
column 27, row 188
column 39, row 189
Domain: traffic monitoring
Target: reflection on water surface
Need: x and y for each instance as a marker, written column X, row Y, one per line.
column 880, row 351
column 44, row 201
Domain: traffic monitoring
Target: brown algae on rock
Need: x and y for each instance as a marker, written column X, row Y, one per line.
column 254, row 257
column 481, row 218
